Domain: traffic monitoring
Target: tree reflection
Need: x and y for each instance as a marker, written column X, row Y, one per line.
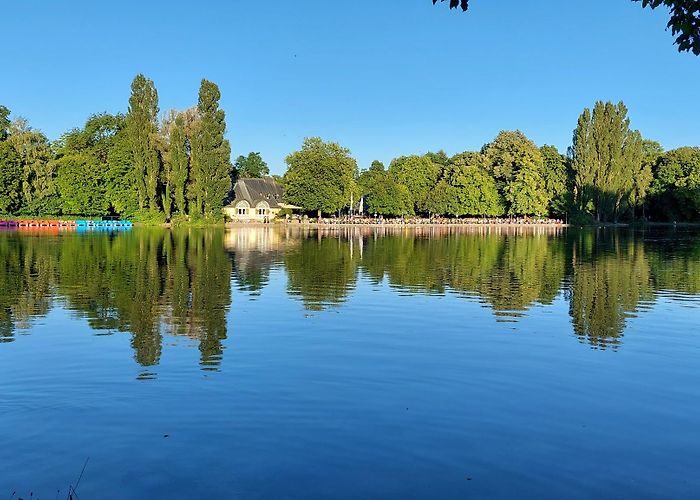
column 611, row 276
column 508, row 272
column 26, row 275
column 321, row 271
column 146, row 282
column 152, row 283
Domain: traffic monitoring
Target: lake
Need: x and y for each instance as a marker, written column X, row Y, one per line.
column 264, row 362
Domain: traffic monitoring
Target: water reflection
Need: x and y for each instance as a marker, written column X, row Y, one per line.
column 147, row 283
column 152, row 283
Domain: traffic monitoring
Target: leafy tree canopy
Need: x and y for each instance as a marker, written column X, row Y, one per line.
column 518, row 166
column 320, row 176
column 384, row 196
column 418, row 174
column 675, row 189
column 251, row 166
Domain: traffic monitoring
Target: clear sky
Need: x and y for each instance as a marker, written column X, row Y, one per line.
column 382, row 77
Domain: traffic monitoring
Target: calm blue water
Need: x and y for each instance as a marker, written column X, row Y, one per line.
column 263, row 363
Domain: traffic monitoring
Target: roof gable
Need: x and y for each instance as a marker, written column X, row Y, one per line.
column 254, row 190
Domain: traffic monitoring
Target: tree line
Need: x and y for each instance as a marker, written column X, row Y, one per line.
column 136, row 165
column 177, row 167
column 609, row 174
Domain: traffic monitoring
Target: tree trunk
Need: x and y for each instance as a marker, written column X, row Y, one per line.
column 319, row 216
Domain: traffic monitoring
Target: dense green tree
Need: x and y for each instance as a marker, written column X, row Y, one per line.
column 475, row 191
column 210, row 174
column 651, row 152
column 518, row 166
column 94, row 174
column 142, row 127
column 251, row 166
column 557, row 180
column 80, row 186
column 606, row 157
column 525, row 195
column 418, row 174
column 10, row 179
column 383, row 195
column 442, row 199
column 39, row 193
column 320, row 176
column 675, row 190
column 118, row 177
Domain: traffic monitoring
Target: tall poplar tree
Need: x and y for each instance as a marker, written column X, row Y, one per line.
column 179, row 162
column 606, row 159
column 141, row 124
column 4, row 122
column 211, row 155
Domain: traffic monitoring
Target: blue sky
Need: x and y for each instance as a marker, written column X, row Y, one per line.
column 380, row 80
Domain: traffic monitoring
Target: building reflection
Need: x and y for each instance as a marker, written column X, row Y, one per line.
column 157, row 283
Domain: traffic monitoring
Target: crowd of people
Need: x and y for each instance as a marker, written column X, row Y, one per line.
column 419, row 221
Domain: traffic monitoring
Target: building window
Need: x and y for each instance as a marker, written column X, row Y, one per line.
column 242, row 211
column 262, row 211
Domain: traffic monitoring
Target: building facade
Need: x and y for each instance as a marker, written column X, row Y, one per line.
column 255, row 200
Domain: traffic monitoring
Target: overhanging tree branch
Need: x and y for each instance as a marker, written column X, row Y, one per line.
column 456, row 3
column 684, row 22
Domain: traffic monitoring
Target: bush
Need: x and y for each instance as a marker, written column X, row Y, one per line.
column 284, row 212
column 149, row 217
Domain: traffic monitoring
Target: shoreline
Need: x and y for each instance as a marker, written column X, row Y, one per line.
column 316, row 225
column 393, row 225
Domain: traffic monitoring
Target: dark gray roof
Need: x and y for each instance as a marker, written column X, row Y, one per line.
column 256, row 190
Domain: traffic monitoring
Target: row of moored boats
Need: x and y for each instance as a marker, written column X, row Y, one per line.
column 66, row 224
